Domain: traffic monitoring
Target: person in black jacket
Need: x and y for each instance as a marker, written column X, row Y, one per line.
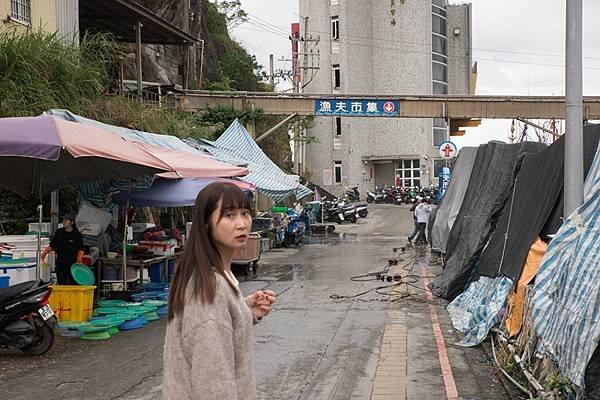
column 67, row 243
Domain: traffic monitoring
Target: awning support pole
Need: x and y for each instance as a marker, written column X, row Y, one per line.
column 138, row 44
column 273, row 129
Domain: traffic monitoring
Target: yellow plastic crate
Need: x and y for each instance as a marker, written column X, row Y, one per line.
column 72, row 302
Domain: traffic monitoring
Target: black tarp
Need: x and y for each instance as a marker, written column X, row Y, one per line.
column 492, row 178
column 592, row 377
column 448, row 210
column 536, row 196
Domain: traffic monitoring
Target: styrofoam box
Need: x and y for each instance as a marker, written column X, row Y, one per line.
column 188, row 229
column 89, row 214
column 45, row 227
column 23, row 240
column 20, row 273
column 90, row 229
column 139, row 227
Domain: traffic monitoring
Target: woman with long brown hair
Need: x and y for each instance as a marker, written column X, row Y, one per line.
column 209, row 340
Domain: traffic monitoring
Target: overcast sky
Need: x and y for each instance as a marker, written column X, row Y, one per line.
column 519, row 46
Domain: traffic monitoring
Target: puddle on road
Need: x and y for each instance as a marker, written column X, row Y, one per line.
column 295, row 273
column 330, row 238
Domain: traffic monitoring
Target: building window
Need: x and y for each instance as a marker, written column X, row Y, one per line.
column 439, row 44
column 440, row 72
column 20, row 10
column 408, row 172
column 338, row 126
column 335, row 28
column 438, row 24
column 334, row 2
column 337, row 79
column 337, row 166
column 440, row 88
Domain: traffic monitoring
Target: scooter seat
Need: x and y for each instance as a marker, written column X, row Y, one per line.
column 13, row 291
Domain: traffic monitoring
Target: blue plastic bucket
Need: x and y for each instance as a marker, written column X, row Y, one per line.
column 154, row 271
column 171, row 269
column 4, row 281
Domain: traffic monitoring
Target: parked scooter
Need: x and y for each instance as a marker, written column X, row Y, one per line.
column 375, row 197
column 26, row 320
column 362, row 210
column 350, row 214
column 353, row 194
column 295, row 230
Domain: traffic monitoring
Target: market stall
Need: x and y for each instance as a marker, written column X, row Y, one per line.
column 41, row 154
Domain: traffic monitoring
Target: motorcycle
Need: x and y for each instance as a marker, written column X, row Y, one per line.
column 377, row 197
column 27, row 322
column 295, row 229
column 353, row 194
column 350, row 214
column 362, row 210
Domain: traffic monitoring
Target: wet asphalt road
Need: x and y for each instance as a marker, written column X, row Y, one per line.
column 312, row 346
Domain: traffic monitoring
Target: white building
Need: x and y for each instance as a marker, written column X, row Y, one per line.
column 380, row 48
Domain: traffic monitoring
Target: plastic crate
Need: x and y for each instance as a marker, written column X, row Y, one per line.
column 72, row 302
column 4, row 281
column 264, row 245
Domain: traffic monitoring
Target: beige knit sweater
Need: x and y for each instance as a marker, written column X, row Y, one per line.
column 208, row 350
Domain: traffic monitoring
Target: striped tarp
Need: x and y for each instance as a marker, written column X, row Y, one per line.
column 132, row 135
column 236, row 146
column 566, row 294
column 475, row 311
column 99, row 193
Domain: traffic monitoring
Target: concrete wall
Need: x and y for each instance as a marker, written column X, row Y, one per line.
column 459, row 49
column 43, row 15
column 384, row 48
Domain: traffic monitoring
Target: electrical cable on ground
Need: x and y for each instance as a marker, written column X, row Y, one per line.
column 399, row 290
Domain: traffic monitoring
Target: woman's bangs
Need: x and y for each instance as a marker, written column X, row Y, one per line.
column 233, row 198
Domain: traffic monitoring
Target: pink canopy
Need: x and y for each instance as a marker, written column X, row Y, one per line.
column 191, row 165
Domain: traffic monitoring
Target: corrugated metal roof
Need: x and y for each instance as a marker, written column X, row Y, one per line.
column 120, row 16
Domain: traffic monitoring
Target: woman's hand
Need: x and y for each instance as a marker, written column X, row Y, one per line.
column 260, row 303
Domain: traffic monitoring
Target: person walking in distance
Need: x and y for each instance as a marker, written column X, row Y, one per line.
column 422, row 212
column 416, row 202
column 209, row 340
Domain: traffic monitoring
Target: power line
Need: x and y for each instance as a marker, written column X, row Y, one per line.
column 429, row 52
column 266, row 28
column 284, row 8
column 277, row 27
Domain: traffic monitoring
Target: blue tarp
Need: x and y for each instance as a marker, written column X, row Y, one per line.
column 566, row 293
column 166, row 193
column 475, row 311
column 236, row 146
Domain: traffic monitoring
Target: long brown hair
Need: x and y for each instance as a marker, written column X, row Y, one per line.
column 201, row 258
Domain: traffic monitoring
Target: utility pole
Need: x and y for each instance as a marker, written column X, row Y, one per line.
column 185, row 26
column 573, row 178
column 138, row 42
column 297, row 143
column 271, row 70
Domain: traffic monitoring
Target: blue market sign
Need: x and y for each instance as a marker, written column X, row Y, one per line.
column 357, row 108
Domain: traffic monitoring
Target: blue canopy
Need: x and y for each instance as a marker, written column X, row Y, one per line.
column 170, row 192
